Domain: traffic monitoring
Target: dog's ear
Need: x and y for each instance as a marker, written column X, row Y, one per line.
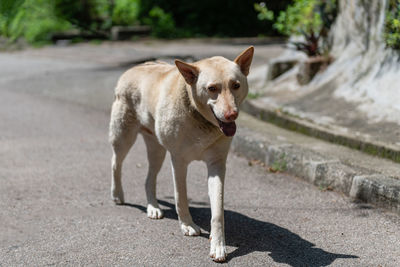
column 188, row 71
column 244, row 60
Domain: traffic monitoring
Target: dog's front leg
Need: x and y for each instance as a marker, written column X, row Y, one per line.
column 216, row 177
column 179, row 170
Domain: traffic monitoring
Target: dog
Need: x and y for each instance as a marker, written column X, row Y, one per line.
column 190, row 110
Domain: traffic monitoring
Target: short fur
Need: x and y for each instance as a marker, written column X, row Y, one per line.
column 189, row 110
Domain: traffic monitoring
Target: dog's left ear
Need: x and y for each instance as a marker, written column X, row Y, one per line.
column 244, row 60
column 188, row 71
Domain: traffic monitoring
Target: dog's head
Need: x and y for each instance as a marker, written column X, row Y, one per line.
column 218, row 87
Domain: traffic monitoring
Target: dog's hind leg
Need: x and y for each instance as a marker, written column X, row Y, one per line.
column 124, row 128
column 155, row 156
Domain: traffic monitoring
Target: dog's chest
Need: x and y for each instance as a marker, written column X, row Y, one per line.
column 186, row 136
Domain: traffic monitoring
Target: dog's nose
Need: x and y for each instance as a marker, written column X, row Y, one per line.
column 231, row 115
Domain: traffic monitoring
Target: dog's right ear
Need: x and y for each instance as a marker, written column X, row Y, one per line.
column 188, row 71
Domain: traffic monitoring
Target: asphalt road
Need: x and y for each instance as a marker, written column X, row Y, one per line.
column 55, row 207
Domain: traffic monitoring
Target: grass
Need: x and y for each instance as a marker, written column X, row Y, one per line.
column 280, row 164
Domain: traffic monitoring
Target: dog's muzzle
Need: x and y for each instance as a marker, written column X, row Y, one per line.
column 228, row 128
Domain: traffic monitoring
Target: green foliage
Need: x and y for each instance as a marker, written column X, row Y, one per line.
column 8, row 9
column 162, row 23
column 88, row 15
column 279, row 164
column 125, row 12
column 34, row 20
column 298, row 18
column 310, row 18
column 37, row 20
column 221, row 18
column 263, row 12
column 392, row 25
column 98, row 16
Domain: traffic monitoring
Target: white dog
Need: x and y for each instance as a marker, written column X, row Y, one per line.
column 189, row 110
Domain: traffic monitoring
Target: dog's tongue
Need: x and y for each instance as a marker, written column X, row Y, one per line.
column 228, row 128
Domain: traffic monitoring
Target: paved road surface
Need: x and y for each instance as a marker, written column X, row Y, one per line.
column 54, row 190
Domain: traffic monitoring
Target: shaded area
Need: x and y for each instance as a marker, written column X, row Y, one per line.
column 250, row 235
column 215, row 18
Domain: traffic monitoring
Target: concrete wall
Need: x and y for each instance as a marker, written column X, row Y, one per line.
column 364, row 71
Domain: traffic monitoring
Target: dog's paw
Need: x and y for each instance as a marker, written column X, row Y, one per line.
column 218, row 251
column 190, row 229
column 117, row 197
column 154, row 213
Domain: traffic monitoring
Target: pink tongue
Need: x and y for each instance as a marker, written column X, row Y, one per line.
column 229, row 129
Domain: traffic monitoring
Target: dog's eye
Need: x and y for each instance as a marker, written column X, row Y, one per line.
column 212, row 88
column 236, row 86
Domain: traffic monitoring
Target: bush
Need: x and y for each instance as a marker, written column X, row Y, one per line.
column 87, row 15
column 98, row 16
column 299, row 18
column 34, row 20
column 310, row 18
column 392, row 25
column 8, row 10
column 125, row 12
column 225, row 18
column 263, row 12
column 163, row 25
column 37, row 20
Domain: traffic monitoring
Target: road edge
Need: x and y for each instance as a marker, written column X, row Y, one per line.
column 320, row 170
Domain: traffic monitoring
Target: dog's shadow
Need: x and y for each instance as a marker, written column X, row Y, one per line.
column 250, row 235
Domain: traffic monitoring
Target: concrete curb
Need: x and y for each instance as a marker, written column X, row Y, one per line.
column 292, row 123
column 323, row 170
